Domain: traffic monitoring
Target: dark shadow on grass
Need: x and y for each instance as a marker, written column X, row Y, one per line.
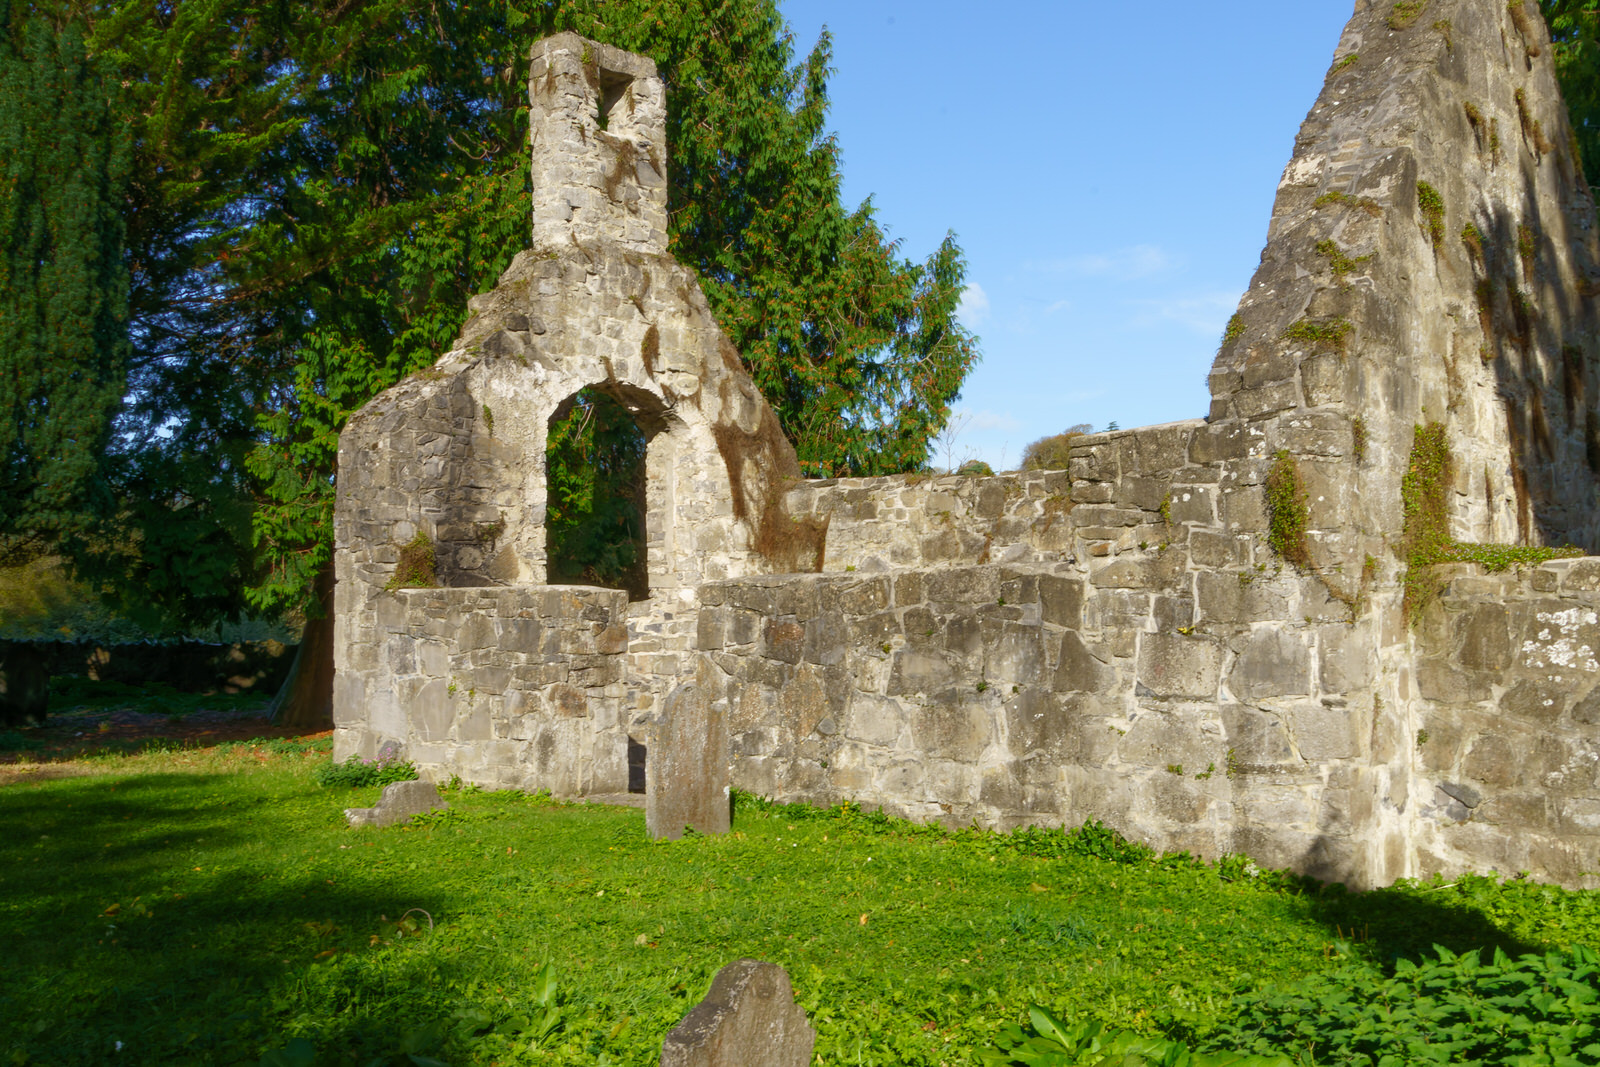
column 1387, row 925
column 113, row 935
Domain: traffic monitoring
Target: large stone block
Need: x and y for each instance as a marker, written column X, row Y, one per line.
column 687, row 768
column 1272, row 662
column 748, row 1019
column 1176, row 665
column 1079, row 670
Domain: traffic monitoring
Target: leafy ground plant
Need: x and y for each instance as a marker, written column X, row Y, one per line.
column 382, row 769
column 1051, row 1043
column 1540, row 1008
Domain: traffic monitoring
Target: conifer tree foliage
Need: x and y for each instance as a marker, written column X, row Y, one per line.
column 63, row 283
column 1575, row 33
column 858, row 350
column 315, row 190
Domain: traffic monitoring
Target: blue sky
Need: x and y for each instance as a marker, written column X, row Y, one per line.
column 1108, row 169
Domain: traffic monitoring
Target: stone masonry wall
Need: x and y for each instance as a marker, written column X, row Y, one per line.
column 1116, row 641
column 513, row 688
column 1188, row 644
column 1506, row 735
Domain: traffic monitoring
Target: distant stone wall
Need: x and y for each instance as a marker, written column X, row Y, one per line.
column 515, row 688
column 913, row 520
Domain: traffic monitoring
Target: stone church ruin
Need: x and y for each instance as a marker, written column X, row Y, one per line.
column 1251, row 632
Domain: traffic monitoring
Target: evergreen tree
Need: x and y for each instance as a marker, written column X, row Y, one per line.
column 63, row 283
column 1575, row 32
column 858, row 351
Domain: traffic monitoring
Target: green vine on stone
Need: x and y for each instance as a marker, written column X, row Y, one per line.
column 1288, row 515
column 1427, row 526
column 1432, row 205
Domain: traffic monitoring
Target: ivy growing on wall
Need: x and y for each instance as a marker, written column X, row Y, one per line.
column 1287, row 512
column 1427, row 540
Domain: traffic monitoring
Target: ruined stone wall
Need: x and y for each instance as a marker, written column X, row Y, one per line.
column 514, row 688
column 1139, row 634
column 1118, row 641
column 1506, row 730
column 456, row 454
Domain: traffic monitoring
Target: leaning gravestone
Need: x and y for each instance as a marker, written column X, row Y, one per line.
column 748, row 1019
column 24, row 686
column 687, row 767
column 399, row 803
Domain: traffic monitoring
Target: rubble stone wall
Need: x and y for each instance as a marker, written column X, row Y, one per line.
column 512, row 688
column 1119, row 640
column 1506, row 730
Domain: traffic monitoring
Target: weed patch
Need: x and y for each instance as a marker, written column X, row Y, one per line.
column 1427, row 540
column 1288, row 514
column 1404, row 13
column 1432, row 207
column 1321, row 333
column 415, row 568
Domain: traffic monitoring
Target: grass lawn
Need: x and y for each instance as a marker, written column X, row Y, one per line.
column 210, row 905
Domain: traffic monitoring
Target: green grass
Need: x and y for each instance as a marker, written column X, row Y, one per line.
column 209, row 906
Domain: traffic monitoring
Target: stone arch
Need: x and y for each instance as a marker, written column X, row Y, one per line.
column 630, row 420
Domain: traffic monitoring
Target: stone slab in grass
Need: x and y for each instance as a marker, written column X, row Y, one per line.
column 399, row 803
column 748, row 1019
column 686, row 769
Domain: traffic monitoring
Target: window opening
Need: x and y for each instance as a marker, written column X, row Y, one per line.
column 595, row 482
column 613, row 90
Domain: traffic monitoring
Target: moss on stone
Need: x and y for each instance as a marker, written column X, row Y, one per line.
column 1405, row 13
column 1288, row 514
column 1323, row 333
column 1432, row 205
column 416, row 568
column 1339, row 263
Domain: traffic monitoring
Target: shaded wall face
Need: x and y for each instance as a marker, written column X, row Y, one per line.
column 1507, row 735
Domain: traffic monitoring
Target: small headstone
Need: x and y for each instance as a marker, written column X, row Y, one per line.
column 686, row 767
column 400, row 801
column 749, row 1019
column 24, row 686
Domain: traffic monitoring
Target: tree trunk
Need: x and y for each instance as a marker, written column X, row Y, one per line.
column 305, row 700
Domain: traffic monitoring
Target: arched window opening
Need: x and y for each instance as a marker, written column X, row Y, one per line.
column 595, row 504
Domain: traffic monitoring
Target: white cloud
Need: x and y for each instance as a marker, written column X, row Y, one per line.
column 1123, row 264
column 1206, row 314
column 974, row 306
column 989, row 420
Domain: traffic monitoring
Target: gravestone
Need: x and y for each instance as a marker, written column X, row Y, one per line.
column 399, row 803
column 24, row 686
column 748, row 1019
column 687, row 767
